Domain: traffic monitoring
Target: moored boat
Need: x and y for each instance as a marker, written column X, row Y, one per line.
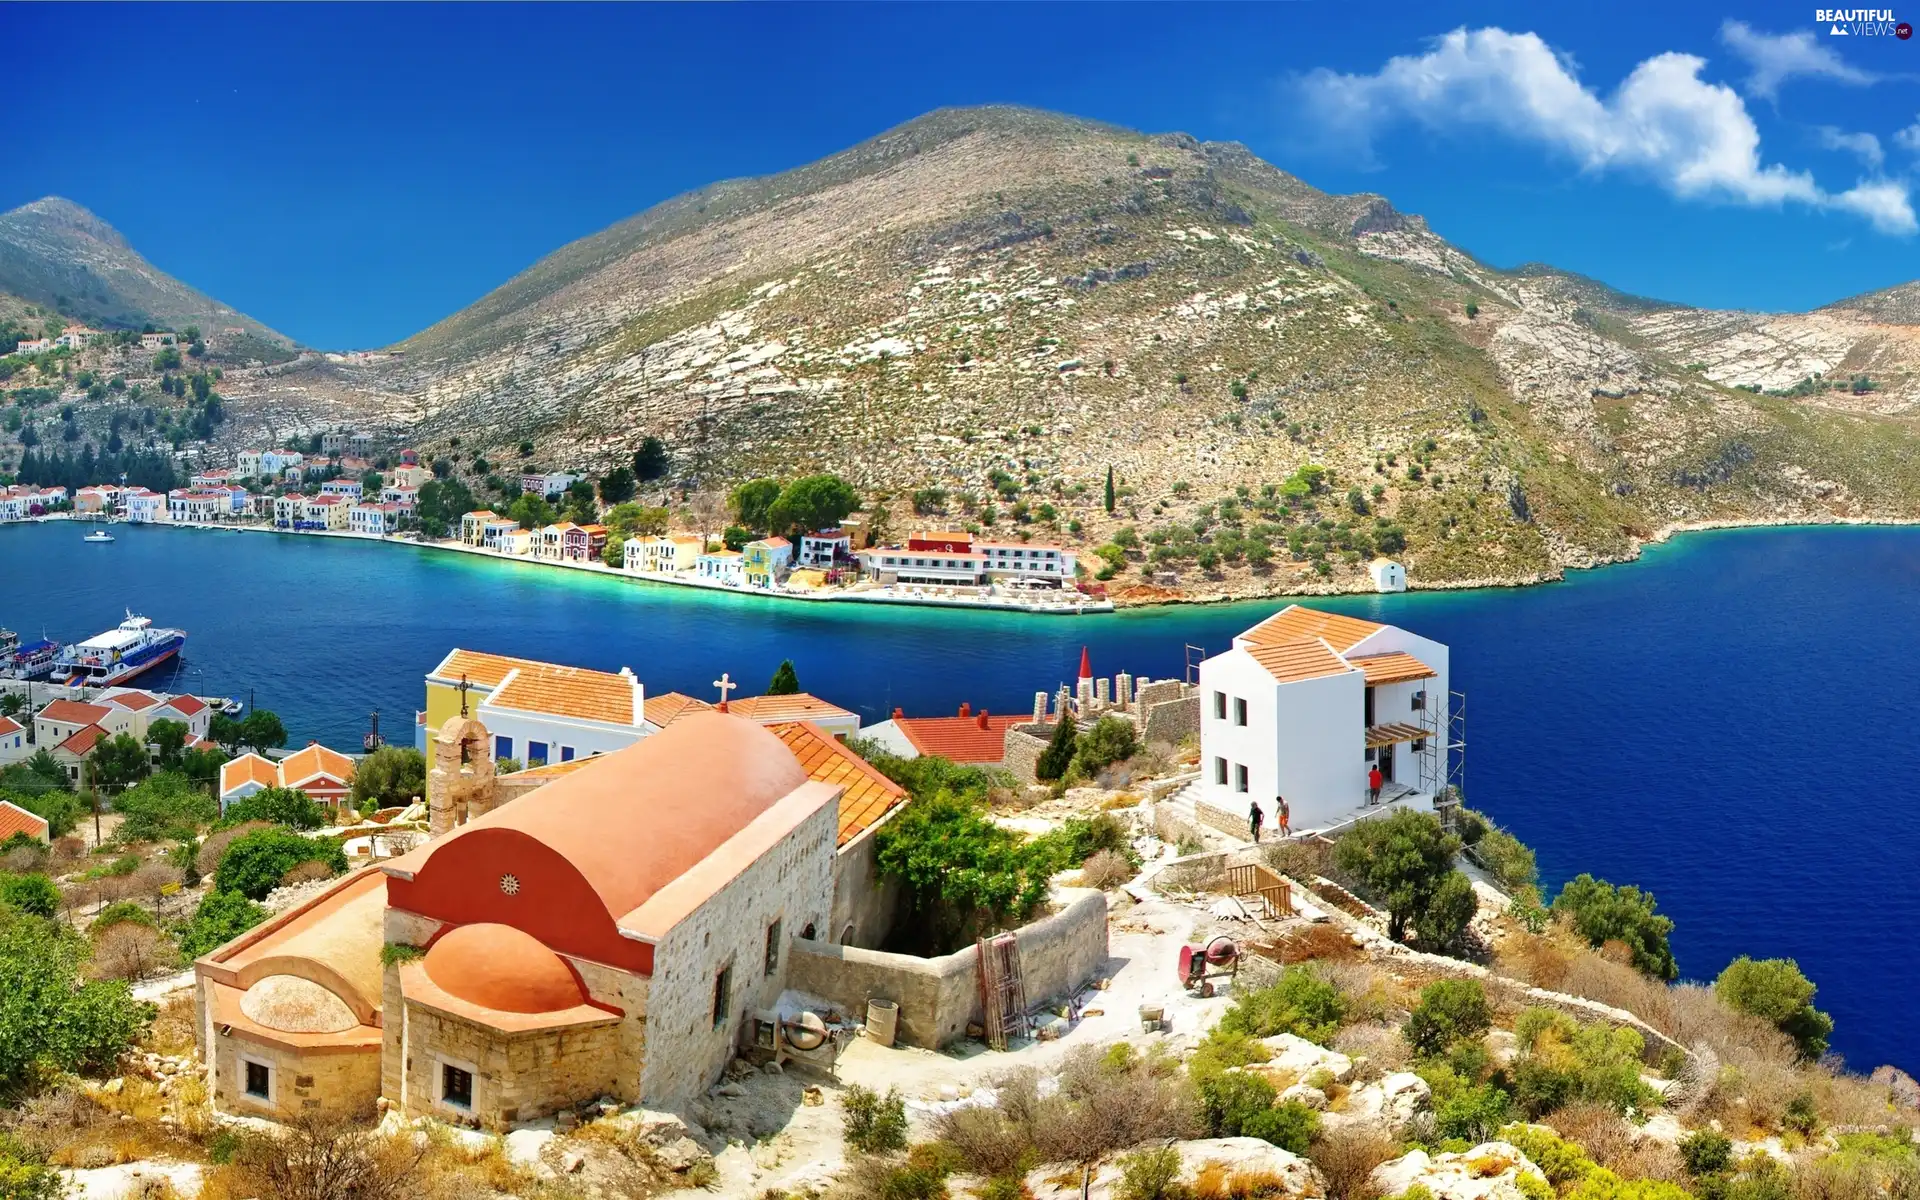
column 98, row 535
column 32, row 661
column 133, row 648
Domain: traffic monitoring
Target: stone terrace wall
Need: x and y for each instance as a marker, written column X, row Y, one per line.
column 1024, row 744
column 1170, row 721
column 939, row 996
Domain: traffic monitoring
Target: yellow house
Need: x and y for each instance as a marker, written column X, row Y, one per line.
column 764, row 561
column 473, row 526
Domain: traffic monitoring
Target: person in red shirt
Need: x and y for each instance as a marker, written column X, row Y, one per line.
column 1374, row 781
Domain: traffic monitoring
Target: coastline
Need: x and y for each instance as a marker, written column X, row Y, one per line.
column 1162, row 598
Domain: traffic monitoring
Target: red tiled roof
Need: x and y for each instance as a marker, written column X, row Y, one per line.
column 1394, row 667
column 135, row 701
column 9, row 725
column 867, row 796
column 14, row 819
column 186, row 705
column 668, row 707
column 1296, row 622
column 973, row 739
column 83, row 741
column 72, row 712
column 1290, row 662
column 797, row 706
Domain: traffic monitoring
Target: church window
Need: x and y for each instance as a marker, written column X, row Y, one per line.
column 259, row 1080
column 510, row 884
column 722, row 995
column 456, row 1085
column 773, row 946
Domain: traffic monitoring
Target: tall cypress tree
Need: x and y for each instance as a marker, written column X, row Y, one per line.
column 1058, row 755
column 1109, row 488
column 785, row 681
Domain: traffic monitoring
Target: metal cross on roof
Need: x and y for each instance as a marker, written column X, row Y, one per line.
column 726, row 684
column 464, row 685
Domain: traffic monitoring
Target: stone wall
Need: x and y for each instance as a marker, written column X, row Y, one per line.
column 516, row 1077
column 791, row 883
column 939, row 996
column 1024, row 745
column 1171, row 721
column 864, row 904
column 340, row 1082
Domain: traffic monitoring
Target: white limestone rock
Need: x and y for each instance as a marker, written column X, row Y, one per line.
column 1300, row 1058
column 1392, row 1102
column 1280, row 1173
column 1489, row 1171
column 1301, row 1093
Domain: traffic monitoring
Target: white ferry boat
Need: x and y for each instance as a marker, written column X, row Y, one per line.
column 31, row 661
column 119, row 654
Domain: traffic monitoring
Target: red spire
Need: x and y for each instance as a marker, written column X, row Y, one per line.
column 1086, row 664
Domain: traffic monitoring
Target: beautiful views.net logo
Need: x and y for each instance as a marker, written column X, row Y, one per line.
column 1862, row 22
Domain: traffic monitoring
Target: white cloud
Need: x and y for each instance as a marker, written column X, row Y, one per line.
column 1694, row 138
column 1908, row 138
column 1778, row 57
column 1864, row 145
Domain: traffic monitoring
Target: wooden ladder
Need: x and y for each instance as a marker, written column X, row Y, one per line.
column 1003, row 993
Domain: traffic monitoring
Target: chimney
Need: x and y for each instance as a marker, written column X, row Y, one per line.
column 981, row 720
column 899, row 713
column 965, row 709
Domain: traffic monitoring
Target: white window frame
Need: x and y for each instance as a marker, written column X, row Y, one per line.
column 272, row 1098
column 440, row 1064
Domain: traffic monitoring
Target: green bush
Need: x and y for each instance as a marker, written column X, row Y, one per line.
column 50, row 1017
column 33, row 894
column 390, row 777
column 1506, row 857
column 221, row 917
column 1299, row 1002
column 875, row 1124
column 255, row 863
column 120, row 912
column 1562, row 1161
column 1402, row 860
column 166, row 806
column 1603, row 1184
column 1562, row 1061
column 283, row 806
column 1773, row 989
column 1462, row 1108
column 1602, row 913
column 1290, row 1125
column 1109, row 740
column 1706, row 1152
column 1075, row 840
column 963, row 873
column 1236, row 1104
column 25, row 1175
column 1058, row 754
column 1442, row 921
column 1150, row 1175
column 1450, row 1010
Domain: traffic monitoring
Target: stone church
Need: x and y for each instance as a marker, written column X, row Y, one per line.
column 602, row 929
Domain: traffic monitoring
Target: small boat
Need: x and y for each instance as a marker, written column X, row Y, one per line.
column 98, row 535
column 33, row 661
column 233, row 708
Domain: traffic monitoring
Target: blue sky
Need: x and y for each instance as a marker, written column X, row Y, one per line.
column 351, row 174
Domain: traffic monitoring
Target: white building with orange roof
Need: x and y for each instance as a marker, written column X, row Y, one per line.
column 326, row 776
column 664, row 554
column 473, row 525
column 798, row 706
column 1307, row 703
column 327, row 512
column 537, row 711
column 243, row 776
column 144, row 708
column 14, row 745
column 18, row 822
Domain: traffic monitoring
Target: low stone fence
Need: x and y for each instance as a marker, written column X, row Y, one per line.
column 939, row 996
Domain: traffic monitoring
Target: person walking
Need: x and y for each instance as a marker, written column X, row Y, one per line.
column 1285, row 814
column 1374, row 780
column 1254, row 818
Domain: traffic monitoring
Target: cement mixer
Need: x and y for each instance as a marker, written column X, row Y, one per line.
column 1201, row 965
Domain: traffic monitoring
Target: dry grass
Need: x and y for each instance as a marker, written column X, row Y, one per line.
column 1379, row 1044
column 1301, row 943
column 215, row 847
column 172, row 1028
column 1615, row 1144
column 1204, row 876
column 131, row 951
column 75, row 1127
column 1347, row 1155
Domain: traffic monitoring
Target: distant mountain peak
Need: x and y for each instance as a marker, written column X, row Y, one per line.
column 60, row 211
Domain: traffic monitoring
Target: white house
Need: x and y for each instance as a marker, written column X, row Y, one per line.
column 13, row 741
column 1023, row 560
column 143, row 505
column 246, row 464
column 1306, row 703
column 892, row 564
column 664, row 554
column 155, row 341
column 348, row 488
column 722, row 566
column 289, row 510
column 1388, row 576
column 547, row 483
column 13, row 508
column 196, row 505
column 210, row 479
column 33, row 346
column 373, row 518
column 824, row 547
column 76, row 338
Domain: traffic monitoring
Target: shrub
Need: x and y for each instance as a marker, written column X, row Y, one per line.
column 25, row 1175
column 389, row 777
column 1402, row 860
column 1054, row 760
column 132, row 951
column 221, row 917
column 1290, row 1125
column 1562, row 1061
column 117, row 912
column 1449, row 1011
column 1300, row 1002
column 1230, row 1101
column 1563, row 1162
column 1603, row 1184
column 1802, row 1115
column 322, row 1156
column 255, row 864
column 1102, row 1104
column 1463, row 1109
column 1106, row 869
column 875, row 1124
column 34, row 894
column 1347, row 1156
column 165, row 807
column 1109, row 740
column 53, row 1019
column 1602, row 913
column 1774, row 990
column 1506, row 857
column 1150, row 1175
column 281, row 806
column 1706, row 1152
column 963, row 873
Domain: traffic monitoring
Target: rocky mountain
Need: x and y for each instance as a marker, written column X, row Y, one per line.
column 1000, row 304
column 59, row 257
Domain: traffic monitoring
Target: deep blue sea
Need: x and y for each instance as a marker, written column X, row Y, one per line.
column 1719, row 723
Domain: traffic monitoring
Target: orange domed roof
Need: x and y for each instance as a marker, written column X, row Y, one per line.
column 502, row 968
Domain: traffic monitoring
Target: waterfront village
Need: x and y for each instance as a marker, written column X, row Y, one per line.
column 804, row 540
column 1235, row 934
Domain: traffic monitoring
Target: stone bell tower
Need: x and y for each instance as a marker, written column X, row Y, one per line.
column 460, row 782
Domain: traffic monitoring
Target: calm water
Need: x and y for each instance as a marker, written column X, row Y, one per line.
column 1721, row 723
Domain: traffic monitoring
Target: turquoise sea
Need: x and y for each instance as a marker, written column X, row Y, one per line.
column 1721, row 722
